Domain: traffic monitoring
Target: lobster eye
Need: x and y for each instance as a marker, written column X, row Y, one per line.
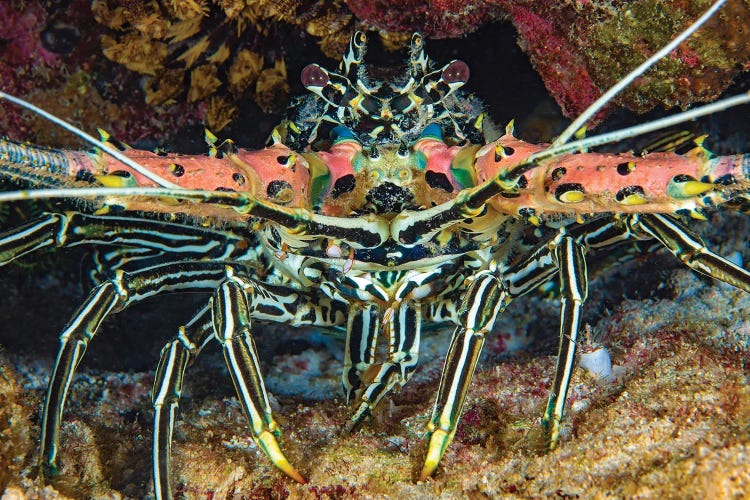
column 456, row 72
column 314, row 76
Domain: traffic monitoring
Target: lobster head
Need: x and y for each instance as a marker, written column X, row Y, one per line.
column 392, row 141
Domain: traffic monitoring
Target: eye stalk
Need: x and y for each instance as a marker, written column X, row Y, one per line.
column 456, row 72
column 314, row 76
column 388, row 111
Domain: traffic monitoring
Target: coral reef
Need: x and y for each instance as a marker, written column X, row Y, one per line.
column 582, row 48
column 434, row 18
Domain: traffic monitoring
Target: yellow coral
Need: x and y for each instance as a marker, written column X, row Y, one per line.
column 220, row 112
column 191, row 55
column 245, row 70
column 182, row 30
column 187, row 9
column 136, row 52
column 232, row 8
column 272, row 89
column 203, row 82
column 162, row 89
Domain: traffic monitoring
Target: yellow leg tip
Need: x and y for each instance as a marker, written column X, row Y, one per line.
column 439, row 441
column 270, row 446
column 554, row 433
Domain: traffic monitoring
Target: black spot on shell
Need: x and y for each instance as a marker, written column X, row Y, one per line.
column 726, row 180
column 282, row 160
column 565, row 188
column 225, row 189
column 629, row 190
column 682, row 178
column 343, row 185
column 121, row 173
column 238, row 178
column 438, row 180
column 523, row 182
column 176, row 169
column 558, row 173
column 623, row 168
column 85, row 176
column 275, row 188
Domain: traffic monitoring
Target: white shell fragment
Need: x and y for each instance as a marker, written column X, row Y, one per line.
column 598, row 363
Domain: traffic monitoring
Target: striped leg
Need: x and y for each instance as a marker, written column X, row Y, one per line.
column 485, row 299
column 570, row 260
column 232, row 305
column 690, row 249
column 175, row 357
column 110, row 296
column 403, row 324
column 361, row 341
column 74, row 228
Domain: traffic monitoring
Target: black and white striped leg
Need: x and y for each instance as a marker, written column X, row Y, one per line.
column 569, row 256
column 110, row 296
column 362, row 331
column 485, row 299
column 403, row 324
column 690, row 249
column 74, row 228
column 74, row 339
column 175, row 357
column 232, row 304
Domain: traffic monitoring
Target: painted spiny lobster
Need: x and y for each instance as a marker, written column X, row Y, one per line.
column 381, row 206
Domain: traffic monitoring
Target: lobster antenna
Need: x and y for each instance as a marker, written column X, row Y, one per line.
column 628, row 79
column 626, row 133
column 91, row 140
column 233, row 199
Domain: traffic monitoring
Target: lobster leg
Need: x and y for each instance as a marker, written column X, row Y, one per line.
column 361, row 341
column 74, row 228
column 231, row 311
column 111, row 296
column 175, row 357
column 690, row 249
column 403, row 324
column 573, row 289
column 484, row 300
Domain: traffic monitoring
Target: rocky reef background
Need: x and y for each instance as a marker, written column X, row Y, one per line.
column 672, row 421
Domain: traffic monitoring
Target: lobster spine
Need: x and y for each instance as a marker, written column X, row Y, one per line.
column 586, row 183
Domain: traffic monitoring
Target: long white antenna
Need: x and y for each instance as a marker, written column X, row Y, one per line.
column 91, row 140
column 626, row 80
column 619, row 135
column 95, row 192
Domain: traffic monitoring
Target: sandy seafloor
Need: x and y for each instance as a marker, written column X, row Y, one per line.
column 672, row 422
